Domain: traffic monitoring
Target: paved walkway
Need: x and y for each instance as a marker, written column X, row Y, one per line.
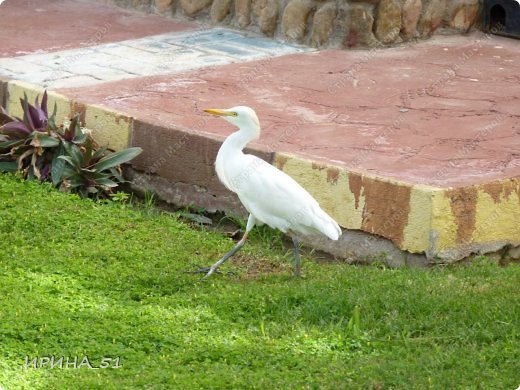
column 375, row 135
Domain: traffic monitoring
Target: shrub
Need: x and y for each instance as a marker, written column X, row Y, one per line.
column 64, row 154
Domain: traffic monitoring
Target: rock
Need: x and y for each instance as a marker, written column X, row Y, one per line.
column 323, row 24
column 366, row 1
column 514, row 253
column 219, row 10
column 359, row 26
column 462, row 15
column 410, row 17
column 192, row 7
column 243, row 12
column 163, row 6
column 140, row 5
column 266, row 12
column 294, row 20
column 432, row 17
column 388, row 22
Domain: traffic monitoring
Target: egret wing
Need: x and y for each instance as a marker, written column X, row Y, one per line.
column 278, row 200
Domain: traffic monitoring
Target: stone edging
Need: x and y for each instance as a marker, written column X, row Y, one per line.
column 384, row 219
column 326, row 23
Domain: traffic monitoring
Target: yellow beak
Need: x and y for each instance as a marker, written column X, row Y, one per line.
column 217, row 112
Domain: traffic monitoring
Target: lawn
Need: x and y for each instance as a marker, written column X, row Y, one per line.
column 88, row 279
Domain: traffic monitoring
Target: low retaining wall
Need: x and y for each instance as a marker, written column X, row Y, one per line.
column 324, row 23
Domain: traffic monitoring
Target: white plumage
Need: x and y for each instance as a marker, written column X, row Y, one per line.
column 271, row 196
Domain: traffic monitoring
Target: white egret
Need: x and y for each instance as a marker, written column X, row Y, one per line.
column 271, row 196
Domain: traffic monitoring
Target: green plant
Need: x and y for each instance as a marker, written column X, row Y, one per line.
column 66, row 155
column 90, row 171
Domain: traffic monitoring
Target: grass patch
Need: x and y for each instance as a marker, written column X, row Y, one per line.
column 80, row 278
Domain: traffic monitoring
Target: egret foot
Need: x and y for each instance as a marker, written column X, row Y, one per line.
column 210, row 270
column 213, row 268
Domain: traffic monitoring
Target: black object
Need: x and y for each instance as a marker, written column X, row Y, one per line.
column 502, row 17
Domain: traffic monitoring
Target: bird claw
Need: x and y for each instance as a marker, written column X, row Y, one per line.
column 208, row 271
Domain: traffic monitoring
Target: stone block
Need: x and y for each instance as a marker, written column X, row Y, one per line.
column 410, row 17
column 359, row 23
column 193, row 7
column 294, row 20
column 462, row 15
column 388, row 21
column 243, row 12
column 323, row 24
column 219, row 10
column 184, row 160
column 266, row 12
column 163, row 6
column 431, row 18
column 108, row 127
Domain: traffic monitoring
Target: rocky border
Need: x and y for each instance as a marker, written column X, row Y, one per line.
column 326, row 23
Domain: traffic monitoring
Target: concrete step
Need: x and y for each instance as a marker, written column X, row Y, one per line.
column 413, row 150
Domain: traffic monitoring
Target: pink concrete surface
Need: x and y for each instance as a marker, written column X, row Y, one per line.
column 30, row 26
column 444, row 112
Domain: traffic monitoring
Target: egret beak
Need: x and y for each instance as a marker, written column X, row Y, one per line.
column 217, row 112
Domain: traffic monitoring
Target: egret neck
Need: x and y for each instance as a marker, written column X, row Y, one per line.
column 230, row 161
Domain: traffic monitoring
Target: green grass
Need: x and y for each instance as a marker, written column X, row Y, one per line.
column 80, row 278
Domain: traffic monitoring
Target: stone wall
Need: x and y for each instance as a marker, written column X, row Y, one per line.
column 326, row 23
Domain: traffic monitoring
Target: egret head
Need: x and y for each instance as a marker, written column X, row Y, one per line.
column 242, row 117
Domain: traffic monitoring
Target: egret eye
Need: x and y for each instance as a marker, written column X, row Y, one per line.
column 234, row 114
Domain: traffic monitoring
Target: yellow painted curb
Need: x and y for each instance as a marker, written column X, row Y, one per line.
column 108, row 127
column 444, row 223
column 16, row 90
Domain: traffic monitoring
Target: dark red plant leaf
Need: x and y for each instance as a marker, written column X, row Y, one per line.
column 15, row 129
column 5, row 118
column 38, row 117
column 26, row 114
column 44, row 104
column 45, row 170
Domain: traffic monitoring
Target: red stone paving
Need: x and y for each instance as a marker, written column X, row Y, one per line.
column 29, row 26
column 399, row 114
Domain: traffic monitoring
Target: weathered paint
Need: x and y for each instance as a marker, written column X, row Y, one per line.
column 463, row 203
column 386, row 209
column 108, row 127
column 441, row 222
column 333, row 195
column 416, row 235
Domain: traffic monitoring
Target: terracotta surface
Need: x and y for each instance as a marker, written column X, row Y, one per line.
column 444, row 112
column 25, row 25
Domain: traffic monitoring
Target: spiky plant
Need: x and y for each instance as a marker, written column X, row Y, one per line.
column 65, row 155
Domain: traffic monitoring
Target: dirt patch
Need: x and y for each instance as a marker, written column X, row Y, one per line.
column 254, row 266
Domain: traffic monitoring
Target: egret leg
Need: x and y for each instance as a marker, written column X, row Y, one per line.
column 296, row 256
column 214, row 267
column 250, row 224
